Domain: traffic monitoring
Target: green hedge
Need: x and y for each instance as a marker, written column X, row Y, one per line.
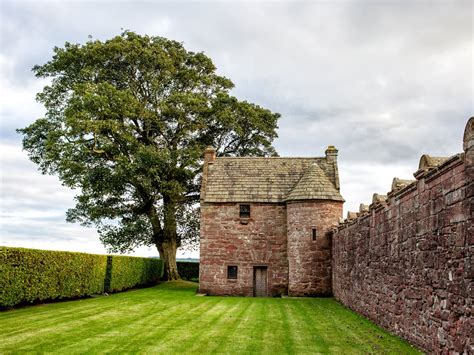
column 128, row 271
column 188, row 270
column 30, row 275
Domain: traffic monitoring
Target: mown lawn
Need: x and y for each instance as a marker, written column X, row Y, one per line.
column 169, row 318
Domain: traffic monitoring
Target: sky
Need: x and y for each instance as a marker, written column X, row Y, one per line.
column 383, row 81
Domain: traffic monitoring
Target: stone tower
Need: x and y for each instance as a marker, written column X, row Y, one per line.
column 314, row 206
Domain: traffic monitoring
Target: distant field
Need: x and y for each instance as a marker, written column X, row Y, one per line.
column 168, row 318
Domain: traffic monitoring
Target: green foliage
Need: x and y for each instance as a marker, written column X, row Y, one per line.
column 126, row 124
column 128, row 271
column 29, row 275
column 188, row 270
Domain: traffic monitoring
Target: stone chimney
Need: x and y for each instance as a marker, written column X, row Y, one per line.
column 209, row 158
column 331, row 154
column 209, row 155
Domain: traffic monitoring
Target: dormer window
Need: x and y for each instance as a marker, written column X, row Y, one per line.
column 244, row 211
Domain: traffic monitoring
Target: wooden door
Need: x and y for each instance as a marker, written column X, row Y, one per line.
column 260, row 281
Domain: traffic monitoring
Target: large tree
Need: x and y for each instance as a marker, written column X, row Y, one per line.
column 126, row 124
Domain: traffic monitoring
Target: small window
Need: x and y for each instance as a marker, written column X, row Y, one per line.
column 244, row 211
column 314, row 234
column 231, row 272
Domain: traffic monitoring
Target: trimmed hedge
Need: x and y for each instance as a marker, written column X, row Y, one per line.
column 30, row 275
column 188, row 270
column 128, row 271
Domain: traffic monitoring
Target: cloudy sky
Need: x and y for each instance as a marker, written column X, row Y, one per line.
column 384, row 81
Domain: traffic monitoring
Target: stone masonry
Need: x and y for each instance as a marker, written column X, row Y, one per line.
column 260, row 242
column 309, row 261
column 282, row 246
column 406, row 261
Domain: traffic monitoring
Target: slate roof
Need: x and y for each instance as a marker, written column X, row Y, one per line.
column 270, row 179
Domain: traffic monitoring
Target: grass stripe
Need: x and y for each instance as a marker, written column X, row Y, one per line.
column 169, row 319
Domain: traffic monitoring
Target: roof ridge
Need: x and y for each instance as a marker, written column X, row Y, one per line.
column 271, row 158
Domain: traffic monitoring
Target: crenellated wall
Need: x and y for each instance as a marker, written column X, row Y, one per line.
column 406, row 262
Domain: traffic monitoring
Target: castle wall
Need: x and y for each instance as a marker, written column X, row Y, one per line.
column 309, row 260
column 407, row 264
column 226, row 241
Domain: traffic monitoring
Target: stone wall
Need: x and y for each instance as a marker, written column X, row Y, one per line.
column 407, row 263
column 227, row 240
column 309, row 260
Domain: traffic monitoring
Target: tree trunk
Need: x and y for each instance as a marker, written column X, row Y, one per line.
column 167, row 250
column 169, row 244
column 165, row 239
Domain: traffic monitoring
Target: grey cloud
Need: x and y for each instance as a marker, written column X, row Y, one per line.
column 433, row 25
column 383, row 81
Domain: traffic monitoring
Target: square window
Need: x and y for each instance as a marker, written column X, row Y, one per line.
column 314, row 234
column 244, row 211
column 232, row 272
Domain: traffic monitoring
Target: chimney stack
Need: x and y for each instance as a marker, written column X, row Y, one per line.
column 331, row 154
column 209, row 155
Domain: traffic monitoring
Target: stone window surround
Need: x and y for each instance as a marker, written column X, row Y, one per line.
column 232, row 279
column 246, row 218
column 244, row 210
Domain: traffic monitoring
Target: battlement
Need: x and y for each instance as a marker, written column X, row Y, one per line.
column 404, row 260
column 429, row 168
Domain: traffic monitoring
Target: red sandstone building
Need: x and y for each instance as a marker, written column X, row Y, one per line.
column 265, row 223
